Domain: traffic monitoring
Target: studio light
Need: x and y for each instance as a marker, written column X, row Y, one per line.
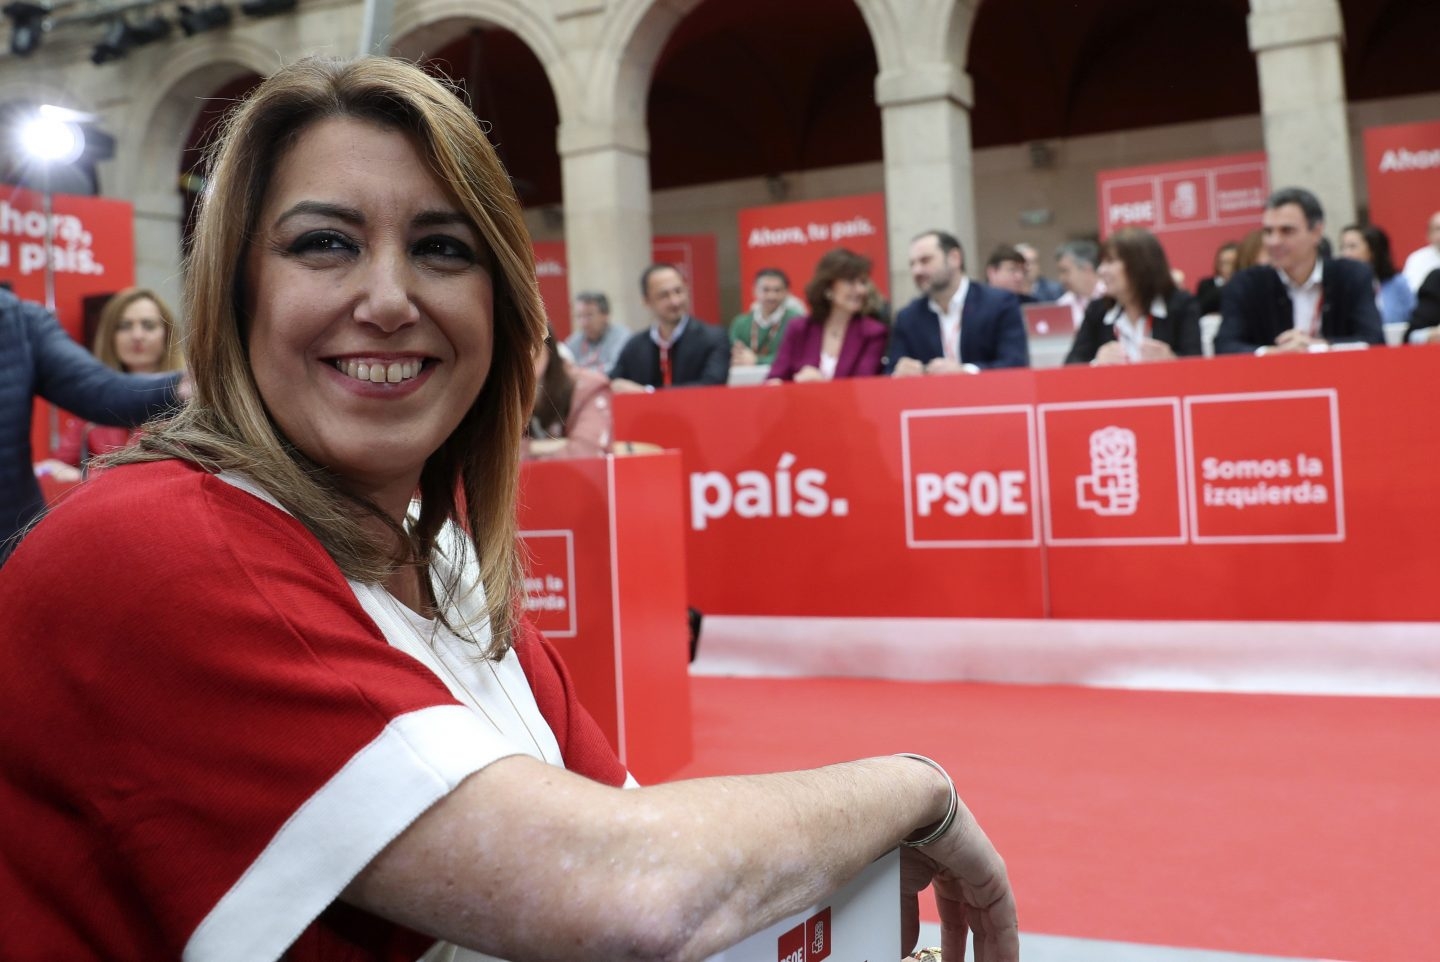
column 27, row 25
column 195, row 20
column 266, row 8
column 51, row 137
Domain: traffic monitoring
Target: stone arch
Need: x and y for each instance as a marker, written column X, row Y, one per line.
column 165, row 114
column 423, row 28
column 624, row 62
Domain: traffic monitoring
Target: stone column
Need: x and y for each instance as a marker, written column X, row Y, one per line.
column 605, row 180
column 929, row 166
column 157, row 249
column 1302, row 100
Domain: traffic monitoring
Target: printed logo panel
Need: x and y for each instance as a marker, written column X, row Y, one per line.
column 1186, row 198
column 809, row 942
column 1130, row 203
column 969, row 477
column 1112, row 472
column 1265, row 467
column 550, row 581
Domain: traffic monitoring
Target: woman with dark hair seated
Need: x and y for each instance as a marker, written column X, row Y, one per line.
column 1143, row 316
column 1371, row 245
column 573, row 416
column 836, row 339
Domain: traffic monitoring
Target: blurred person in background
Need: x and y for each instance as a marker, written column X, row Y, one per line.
column 1037, row 285
column 573, row 415
column 1302, row 301
column 1005, row 270
column 1075, row 263
column 1207, row 295
column 954, row 326
column 1424, row 325
column 596, row 342
column 1143, row 316
column 755, row 335
column 1250, row 252
column 37, row 357
column 678, row 349
column 1371, row 245
column 136, row 335
column 1425, row 259
column 836, row 339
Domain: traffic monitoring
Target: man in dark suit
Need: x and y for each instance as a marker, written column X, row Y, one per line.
column 1424, row 327
column 1301, row 301
column 955, row 325
column 678, row 349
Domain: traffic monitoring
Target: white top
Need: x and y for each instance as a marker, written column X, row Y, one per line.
column 497, row 692
column 1419, row 265
column 1131, row 331
column 1305, row 299
column 950, row 319
column 827, row 365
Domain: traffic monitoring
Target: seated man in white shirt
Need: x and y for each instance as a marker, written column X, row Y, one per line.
column 1075, row 265
column 1421, row 262
column 1300, row 301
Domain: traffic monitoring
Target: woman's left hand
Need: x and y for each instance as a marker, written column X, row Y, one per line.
column 808, row 373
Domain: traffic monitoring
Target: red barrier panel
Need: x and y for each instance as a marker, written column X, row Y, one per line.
column 605, row 581
column 1234, row 488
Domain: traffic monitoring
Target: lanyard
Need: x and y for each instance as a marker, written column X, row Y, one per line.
column 762, row 347
column 664, row 363
column 1315, row 317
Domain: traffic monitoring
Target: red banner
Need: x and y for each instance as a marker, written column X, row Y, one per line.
column 1192, row 206
column 551, row 277
column 694, row 254
column 1402, row 175
column 1233, row 488
column 93, row 245
column 602, row 537
column 793, row 237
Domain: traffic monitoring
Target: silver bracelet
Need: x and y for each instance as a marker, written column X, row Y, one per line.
column 949, row 819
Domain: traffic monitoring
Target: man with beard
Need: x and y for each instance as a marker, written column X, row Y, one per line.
column 955, row 325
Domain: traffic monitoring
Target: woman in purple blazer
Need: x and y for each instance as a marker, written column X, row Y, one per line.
column 836, row 339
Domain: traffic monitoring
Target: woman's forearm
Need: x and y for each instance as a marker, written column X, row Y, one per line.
column 525, row 860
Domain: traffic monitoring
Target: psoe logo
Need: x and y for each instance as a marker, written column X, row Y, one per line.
column 1112, row 488
column 809, row 942
column 756, row 494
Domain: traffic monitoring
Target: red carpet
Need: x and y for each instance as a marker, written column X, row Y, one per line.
column 1278, row 825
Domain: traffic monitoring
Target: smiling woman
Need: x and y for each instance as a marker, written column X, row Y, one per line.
column 299, row 714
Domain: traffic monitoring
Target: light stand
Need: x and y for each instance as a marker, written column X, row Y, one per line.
column 51, row 136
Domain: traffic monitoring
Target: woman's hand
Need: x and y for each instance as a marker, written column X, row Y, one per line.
column 808, row 373
column 59, row 470
column 1153, row 350
column 1111, row 352
column 972, row 892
